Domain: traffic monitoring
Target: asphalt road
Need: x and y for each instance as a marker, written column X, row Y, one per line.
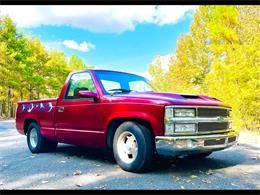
column 72, row 167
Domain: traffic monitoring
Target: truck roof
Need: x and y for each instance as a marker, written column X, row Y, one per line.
column 104, row 70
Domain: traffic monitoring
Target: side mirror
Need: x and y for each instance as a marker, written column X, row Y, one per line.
column 87, row 94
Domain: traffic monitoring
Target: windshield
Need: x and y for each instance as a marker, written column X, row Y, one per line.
column 117, row 82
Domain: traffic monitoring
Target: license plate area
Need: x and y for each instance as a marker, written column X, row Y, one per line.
column 212, row 142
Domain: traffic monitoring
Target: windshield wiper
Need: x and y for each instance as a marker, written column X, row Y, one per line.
column 121, row 90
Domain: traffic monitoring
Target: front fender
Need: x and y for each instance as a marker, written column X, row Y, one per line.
column 155, row 122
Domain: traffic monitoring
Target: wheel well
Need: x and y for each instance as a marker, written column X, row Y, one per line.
column 27, row 122
column 114, row 124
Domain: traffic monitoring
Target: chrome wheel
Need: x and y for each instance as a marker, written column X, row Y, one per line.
column 127, row 147
column 33, row 138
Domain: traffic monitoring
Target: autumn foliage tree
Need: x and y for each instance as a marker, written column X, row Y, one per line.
column 28, row 70
column 220, row 57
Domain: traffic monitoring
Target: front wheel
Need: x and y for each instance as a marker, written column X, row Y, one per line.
column 36, row 142
column 133, row 147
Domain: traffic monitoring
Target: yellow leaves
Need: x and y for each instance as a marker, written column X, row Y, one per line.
column 220, row 57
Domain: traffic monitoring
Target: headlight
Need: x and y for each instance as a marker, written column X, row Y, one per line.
column 168, row 112
column 171, row 127
column 184, row 128
column 182, row 112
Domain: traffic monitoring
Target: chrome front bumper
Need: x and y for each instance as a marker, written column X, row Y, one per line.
column 178, row 145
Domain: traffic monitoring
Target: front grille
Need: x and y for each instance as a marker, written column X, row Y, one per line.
column 207, row 119
column 202, row 127
column 212, row 142
column 212, row 112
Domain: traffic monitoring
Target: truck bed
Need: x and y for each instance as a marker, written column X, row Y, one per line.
column 41, row 111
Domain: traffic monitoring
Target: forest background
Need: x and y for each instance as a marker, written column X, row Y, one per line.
column 219, row 57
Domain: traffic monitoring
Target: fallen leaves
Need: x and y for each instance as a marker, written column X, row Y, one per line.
column 78, row 185
column 193, row 176
column 77, row 172
column 205, row 180
column 234, row 184
column 177, row 178
column 188, row 181
column 255, row 158
column 209, row 172
column 103, row 187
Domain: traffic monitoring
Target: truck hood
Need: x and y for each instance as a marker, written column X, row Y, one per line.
column 167, row 99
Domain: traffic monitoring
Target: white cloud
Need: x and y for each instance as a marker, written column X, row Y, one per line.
column 84, row 46
column 172, row 14
column 165, row 61
column 96, row 18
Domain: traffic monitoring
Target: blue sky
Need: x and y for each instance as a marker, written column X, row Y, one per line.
column 122, row 38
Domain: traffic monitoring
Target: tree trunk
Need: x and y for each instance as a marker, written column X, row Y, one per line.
column 9, row 102
column 4, row 109
column 21, row 95
column 30, row 93
column 1, row 109
column 12, row 109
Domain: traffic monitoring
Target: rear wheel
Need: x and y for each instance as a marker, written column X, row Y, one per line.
column 133, row 147
column 36, row 142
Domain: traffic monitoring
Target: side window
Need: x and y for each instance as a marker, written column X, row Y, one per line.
column 79, row 81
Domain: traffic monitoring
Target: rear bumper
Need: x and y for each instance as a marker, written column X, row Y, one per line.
column 177, row 145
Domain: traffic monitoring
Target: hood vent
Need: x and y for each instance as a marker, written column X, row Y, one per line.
column 190, row 96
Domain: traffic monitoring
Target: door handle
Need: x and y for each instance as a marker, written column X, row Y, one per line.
column 61, row 109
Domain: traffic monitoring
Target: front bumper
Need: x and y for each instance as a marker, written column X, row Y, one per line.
column 179, row 145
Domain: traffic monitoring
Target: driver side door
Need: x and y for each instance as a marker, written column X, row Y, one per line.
column 76, row 119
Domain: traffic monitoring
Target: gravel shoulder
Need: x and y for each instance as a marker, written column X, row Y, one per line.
column 73, row 167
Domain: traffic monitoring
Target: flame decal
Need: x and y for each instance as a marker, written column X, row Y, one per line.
column 38, row 107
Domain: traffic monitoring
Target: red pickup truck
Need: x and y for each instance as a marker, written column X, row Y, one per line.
column 121, row 111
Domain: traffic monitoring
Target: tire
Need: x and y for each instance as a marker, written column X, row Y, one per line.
column 36, row 142
column 133, row 147
column 200, row 155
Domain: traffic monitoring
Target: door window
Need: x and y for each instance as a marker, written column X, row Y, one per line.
column 78, row 82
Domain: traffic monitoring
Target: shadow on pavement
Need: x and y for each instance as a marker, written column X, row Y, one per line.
column 217, row 160
column 86, row 153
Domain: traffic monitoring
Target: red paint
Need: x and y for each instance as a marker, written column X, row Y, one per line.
column 85, row 122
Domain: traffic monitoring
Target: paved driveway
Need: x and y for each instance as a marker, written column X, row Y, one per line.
column 72, row 167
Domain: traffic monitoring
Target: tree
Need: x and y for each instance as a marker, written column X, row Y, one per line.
column 220, row 57
column 27, row 69
column 159, row 76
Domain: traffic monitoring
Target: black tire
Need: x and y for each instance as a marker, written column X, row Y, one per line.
column 200, row 155
column 144, row 143
column 42, row 144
